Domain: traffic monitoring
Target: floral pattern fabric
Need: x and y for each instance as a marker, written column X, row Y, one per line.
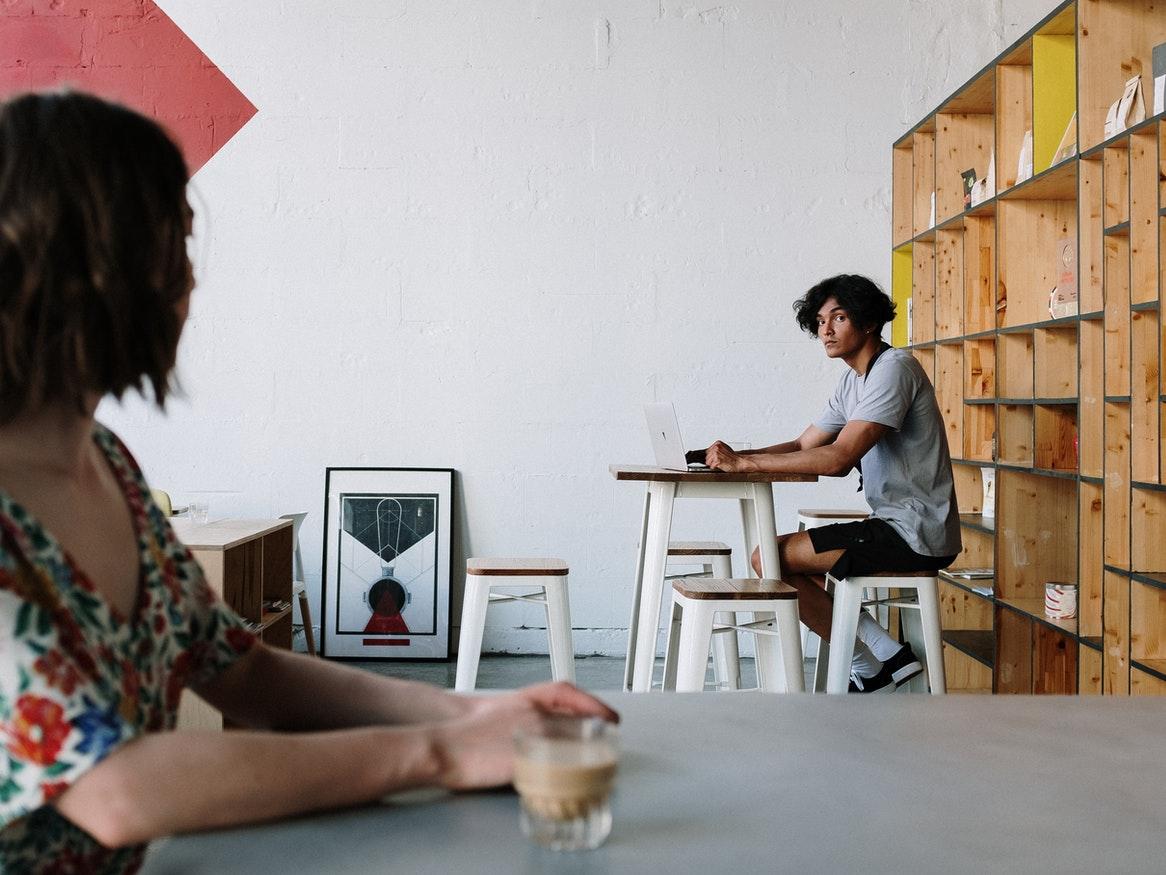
column 78, row 679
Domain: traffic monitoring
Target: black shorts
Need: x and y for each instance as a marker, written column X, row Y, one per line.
column 871, row 545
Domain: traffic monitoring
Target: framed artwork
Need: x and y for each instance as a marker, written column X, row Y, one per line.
column 387, row 549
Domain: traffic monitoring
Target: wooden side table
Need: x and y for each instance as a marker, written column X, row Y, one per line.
column 248, row 563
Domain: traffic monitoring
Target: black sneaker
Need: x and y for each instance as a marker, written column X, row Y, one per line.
column 880, row 683
column 903, row 666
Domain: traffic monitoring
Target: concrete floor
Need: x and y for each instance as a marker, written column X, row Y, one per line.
column 503, row 672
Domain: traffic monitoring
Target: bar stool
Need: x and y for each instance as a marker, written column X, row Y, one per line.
column 716, row 560
column 812, row 646
column 549, row 579
column 848, row 602
column 695, row 602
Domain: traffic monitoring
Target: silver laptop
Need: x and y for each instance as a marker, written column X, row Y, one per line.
column 664, row 429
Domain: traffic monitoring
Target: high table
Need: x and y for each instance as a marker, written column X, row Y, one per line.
column 746, row 782
column 753, row 490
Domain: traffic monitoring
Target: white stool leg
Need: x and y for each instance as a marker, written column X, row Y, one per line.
column 637, row 590
column 823, row 658
column 843, row 628
column 929, row 615
column 477, row 597
column 791, row 647
column 696, row 628
column 672, row 649
column 559, row 629
column 726, row 655
column 770, row 667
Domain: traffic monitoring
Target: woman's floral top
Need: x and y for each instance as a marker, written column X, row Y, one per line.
column 78, row 679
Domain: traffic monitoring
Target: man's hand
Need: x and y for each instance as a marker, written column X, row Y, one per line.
column 478, row 750
column 724, row 458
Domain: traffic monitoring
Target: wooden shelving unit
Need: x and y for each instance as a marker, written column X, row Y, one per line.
column 1068, row 413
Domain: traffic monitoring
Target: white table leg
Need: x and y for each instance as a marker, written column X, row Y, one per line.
column 652, row 586
column 765, row 532
column 749, row 530
column 637, row 590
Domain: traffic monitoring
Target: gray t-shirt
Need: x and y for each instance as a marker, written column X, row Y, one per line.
column 906, row 475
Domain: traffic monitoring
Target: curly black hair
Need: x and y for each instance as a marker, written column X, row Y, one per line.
column 867, row 305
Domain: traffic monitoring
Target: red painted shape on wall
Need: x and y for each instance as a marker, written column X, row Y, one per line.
column 124, row 50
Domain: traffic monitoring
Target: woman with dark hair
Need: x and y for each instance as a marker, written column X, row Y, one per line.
column 884, row 420
column 104, row 616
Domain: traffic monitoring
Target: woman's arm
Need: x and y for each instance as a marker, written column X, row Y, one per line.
column 175, row 782
column 272, row 688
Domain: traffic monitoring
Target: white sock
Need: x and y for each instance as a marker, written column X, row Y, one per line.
column 874, row 636
column 864, row 664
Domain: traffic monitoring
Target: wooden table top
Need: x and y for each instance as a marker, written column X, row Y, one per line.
column 666, row 475
column 222, row 534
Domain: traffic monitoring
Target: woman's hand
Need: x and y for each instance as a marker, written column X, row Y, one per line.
column 724, row 458
column 477, row 750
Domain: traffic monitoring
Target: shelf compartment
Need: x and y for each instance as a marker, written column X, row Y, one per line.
column 949, row 375
column 980, row 368
column 1144, row 217
column 926, row 359
column 922, row 292
column 979, row 274
column 1148, row 546
column 1014, row 365
column 979, row 644
column 1055, row 362
column 1148, row 627
column 1055, row 437
column 969, row 489
column 1088, row 671
column 902, row 200
column 1115, row 42
column 1090, row 565
column 1117, row 316
column 1116, row 185
column 923, row 176
column 1145, row 684
column 979, row 547
column 1013, row 112
column 1117, row 485
column 949, row 283
column 1090, row 248
column 1115, row 665
column 1054, row 662
column 979, row 431
column 1091, row 412
column 1013, row 655
column 1039, row 542
column 1030, row 232
column 1144, row 425
column 901, row 294
column 1054, row 87
column 1014, row 434
column 965, row 137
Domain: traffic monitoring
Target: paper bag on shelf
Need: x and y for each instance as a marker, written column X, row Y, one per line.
column 1129, row 109
column 1159, row 63
column 1067, row 148
column 1063, row 298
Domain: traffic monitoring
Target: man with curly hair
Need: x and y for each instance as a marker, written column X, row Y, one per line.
column 884, row 420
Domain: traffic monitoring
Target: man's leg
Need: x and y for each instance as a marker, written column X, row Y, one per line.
column 805, row 570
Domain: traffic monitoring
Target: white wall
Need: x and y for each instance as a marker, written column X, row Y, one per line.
column 480, row 235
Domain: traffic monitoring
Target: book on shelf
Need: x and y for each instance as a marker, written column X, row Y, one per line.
column 982, row 189
column 969, row 177
column 1063, row 298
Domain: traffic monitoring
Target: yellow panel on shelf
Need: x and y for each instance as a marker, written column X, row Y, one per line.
column 1054, row 93
column 900, row 293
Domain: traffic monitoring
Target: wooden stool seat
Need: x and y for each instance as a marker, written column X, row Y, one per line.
column 542, row 582
column 480, row 567
column 698, row 548
column 696, row 601
column 822, row 513
column 749, row 589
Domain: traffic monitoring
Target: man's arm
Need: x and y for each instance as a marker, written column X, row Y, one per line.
column 818, row 452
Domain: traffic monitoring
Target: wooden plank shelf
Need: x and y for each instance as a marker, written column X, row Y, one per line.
column 978, row 522
column 979, row 644
column 1034, row 609
column 1156, row 667
column 1121, row 229
column 1144, row 306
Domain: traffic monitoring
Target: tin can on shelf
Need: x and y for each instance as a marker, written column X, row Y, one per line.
column 1060, row 600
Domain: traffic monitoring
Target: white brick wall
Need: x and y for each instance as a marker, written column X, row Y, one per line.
column 480, row 235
